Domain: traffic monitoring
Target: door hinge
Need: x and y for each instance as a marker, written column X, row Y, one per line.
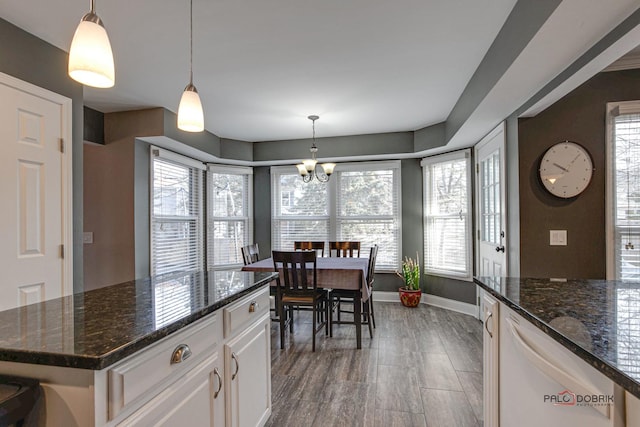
column 478, row 231
column 477, row 168
column 62, row 251
column 61, row 145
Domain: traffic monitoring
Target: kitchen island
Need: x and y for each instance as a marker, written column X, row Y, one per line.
column 582, row 336
column 149, row 351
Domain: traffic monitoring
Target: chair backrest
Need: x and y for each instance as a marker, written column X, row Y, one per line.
column 310, row 246
column 344, row 249
column 371, row 269
column 250, row 253
column 294, row 271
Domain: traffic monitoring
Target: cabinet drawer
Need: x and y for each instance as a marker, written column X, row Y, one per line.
column 139, row 377
column 244, row 311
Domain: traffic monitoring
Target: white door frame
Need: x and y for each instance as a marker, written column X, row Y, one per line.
column 490, row 137
column 66, row 169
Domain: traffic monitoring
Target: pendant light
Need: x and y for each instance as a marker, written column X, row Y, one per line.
column 307, row 169
column 90, row 55
column 190, row 114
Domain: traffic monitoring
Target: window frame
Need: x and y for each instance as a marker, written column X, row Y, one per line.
column 613, row 110
column 247, row 218
column 169, row 156
column 465, row 154
column 333, row 216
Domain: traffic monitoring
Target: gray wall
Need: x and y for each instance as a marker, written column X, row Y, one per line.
column 581, row 117
column 28, row 58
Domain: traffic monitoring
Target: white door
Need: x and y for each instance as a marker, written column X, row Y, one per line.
column 491, row 259
column 35, row 181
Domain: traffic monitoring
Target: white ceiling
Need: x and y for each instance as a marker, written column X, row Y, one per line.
column 364, row 66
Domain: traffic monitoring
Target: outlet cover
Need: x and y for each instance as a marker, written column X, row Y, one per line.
column 87, row 237
column 558, row 237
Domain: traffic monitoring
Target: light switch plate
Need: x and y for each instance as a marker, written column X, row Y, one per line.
column 87, row 237
column 558, row 237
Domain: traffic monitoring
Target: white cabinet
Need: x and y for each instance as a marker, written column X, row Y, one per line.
column 193, row 400
column 490, row 355
column 247, row 356
column 632, row 408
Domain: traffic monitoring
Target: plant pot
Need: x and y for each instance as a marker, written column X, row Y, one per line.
column 409, row 297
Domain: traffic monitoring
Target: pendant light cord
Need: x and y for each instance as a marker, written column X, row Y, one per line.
column 190, row 42
column 92, row 6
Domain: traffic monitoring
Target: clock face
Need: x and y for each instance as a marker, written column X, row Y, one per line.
column 566, row 169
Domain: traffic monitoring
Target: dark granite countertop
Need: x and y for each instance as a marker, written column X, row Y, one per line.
column 598, row 320
column 95, row 329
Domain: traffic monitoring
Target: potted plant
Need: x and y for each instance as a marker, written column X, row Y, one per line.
column 410, row 293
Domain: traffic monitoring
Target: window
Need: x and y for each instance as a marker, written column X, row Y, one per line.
column 447, row 215
column 361, row 202
column 623, row 191
column 176, row 213
column 230, row 214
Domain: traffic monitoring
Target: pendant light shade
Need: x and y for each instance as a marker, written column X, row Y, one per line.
column 190, row 114
column 90, row 55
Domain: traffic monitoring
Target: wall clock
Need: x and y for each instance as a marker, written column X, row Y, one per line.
column 566, row 169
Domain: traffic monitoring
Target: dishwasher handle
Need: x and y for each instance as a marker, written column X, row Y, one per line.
column 553, row 371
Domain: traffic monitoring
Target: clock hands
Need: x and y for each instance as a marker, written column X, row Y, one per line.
column 566, row 169
column 561, row 168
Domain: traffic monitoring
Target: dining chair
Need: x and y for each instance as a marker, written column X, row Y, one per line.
column 250, row 253
column 338, row 297
column 310, row 246
column 344, row 249
column 297, row 285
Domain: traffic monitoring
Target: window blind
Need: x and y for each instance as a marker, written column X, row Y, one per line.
column 176, row 213
column 447, row 219
column 626, row 218
column 361, row 202
column 299, row 210
column 230, row 214
column 368, row 211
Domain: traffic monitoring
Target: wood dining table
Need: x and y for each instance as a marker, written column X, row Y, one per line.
column 346, row 274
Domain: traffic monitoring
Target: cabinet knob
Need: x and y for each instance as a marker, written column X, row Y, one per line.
column 253, row 306
column 181, row 353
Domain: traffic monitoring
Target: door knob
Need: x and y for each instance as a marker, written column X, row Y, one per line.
column 499, row 248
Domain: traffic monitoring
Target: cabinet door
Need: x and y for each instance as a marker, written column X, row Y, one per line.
column 248, row 376
column 490, row 356
column 189, row 401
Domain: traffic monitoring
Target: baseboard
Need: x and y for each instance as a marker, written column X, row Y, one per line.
column 434, row 300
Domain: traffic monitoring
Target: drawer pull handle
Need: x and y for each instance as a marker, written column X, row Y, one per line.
column 486, row 323
column 217, row 374
column 180, row 354
column 235, row 358
column 253, row 306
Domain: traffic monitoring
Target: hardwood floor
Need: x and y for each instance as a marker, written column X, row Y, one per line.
column 423, row 367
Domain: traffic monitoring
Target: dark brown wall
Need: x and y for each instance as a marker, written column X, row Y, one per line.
column 580, row 117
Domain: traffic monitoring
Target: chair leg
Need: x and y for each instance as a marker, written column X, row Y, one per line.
column 313, row 331
column 326, row 317
column 368, row 317
column 372, row 314
column 291, row 319
column 281, row 315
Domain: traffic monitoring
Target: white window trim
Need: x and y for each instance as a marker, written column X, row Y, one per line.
column 440, row 158
column 232, row 170
column 613, row 109
column 333, row 194
column 188, row 161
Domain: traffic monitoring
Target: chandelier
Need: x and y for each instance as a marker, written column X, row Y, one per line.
column 307, row 169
